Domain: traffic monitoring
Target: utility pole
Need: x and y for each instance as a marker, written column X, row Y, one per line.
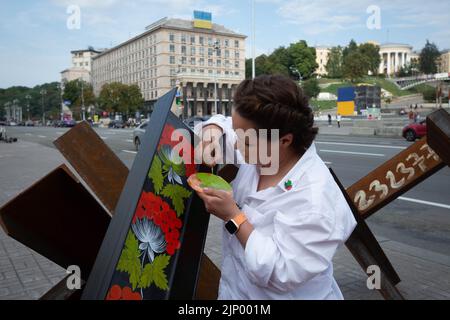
column 253, row 41
column 217, row 48
column 43, row 93
column 82, row 100
column 60, row 87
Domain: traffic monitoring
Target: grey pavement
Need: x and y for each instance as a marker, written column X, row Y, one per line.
column 25, row 274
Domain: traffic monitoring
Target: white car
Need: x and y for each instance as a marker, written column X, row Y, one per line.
column 138, row 134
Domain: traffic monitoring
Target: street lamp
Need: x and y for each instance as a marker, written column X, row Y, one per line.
column 60, row 88
column 83, row 109
column 216, row 48
column 43, row 93
column 28, row 98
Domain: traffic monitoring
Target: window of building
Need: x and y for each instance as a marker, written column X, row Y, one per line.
column 210, row 41
column 210, row 62
column 202, row 61
column 201, row 40
column 193, row 61
column 227, row 64
column 227, row 53
column 236, row 43
column 202, row 51
column 183, row 49
column 236, row 64
column 183, row 60
column 192, row 39
column 218, row 53
column 219, row 63
column 172, row 48
column 192, row 51
column 236, row 54
column 183, row 38
column 210, row 52
column 227, row 43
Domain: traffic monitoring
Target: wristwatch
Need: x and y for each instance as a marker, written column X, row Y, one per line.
column 234, row 224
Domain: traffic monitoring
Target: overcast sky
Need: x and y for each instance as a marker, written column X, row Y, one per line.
column 36, row 42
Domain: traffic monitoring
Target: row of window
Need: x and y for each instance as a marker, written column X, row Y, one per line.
column 202, row 40
column 202, row 62
column 201, row 51
column 81, row 64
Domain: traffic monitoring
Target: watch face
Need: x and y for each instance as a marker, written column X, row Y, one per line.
column 231, row 227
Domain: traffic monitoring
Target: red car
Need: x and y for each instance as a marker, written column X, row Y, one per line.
column 415, row 131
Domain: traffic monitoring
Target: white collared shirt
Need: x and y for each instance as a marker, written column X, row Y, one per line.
column 296, row 232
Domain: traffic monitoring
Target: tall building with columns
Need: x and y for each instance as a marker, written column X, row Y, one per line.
column 393, row 57
column 203, row 59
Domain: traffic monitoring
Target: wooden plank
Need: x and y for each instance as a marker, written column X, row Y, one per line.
column 97, row 164
column 394, row 178
column 58, row 218
column 366, row 241
column 438, row 131
column 208, row 283
column 365, row 259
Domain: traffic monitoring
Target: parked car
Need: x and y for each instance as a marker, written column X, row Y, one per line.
column 117, row 124
column 29, row 123
column 68, row 123
column 415, row 131
column 138, row 133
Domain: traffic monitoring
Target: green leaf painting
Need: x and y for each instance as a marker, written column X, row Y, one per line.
column 155, row 174
column 142, row 277
column 178, row 195
column 154, row 273
column 129, row 260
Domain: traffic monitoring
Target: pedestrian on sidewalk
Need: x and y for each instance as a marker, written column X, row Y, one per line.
column 338, row 119
column 281, row 230
column 329, row 120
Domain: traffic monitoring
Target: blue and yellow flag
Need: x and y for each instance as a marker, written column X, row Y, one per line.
column 202, row 20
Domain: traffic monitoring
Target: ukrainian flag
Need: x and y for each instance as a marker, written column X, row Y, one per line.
column 202, row 20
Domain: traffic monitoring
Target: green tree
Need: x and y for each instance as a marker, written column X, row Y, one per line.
column 303, row 59
column 311, row 87
column 119, row 97
column 335, row 62
column 355, row 66
column 79, row 92
column 30, row 99
column 351, row 48
column 428, row 58
column 372, row 55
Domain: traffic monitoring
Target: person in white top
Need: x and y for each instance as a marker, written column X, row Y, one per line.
column 281, row 230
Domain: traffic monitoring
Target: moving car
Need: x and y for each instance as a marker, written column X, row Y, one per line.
column 415, row 131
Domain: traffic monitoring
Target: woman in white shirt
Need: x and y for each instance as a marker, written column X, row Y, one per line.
column 281, row 230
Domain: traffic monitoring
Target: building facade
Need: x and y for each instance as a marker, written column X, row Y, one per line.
column 444, row 62
column 322, row 53
column 202, row 62
column 81, row 66
column 393, row 57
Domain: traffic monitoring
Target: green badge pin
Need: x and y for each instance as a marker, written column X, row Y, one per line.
column 288, row 185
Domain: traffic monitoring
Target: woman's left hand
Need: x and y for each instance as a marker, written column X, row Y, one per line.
column 219, row 203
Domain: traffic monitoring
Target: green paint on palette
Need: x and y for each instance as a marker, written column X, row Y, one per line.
column 212, row 181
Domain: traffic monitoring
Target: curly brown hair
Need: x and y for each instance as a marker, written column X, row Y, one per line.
column 277, row 102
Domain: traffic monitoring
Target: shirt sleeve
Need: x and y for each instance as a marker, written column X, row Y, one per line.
column 233, row 156
column 301, row 247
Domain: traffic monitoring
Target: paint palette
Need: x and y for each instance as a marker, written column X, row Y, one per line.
column 199, row 181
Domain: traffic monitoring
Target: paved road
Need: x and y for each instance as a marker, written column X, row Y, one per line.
column 421, row 218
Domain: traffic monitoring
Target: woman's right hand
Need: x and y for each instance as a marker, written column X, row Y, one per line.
column 205, row 151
